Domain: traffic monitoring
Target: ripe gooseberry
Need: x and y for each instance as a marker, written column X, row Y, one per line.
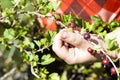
column 86, row 36
column 91, row 51
column 113, row 71
column 71, row 25
column 105, row 61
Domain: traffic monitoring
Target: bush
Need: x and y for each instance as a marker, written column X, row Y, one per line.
column 25, row 49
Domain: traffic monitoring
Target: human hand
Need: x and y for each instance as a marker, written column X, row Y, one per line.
column 76, row 54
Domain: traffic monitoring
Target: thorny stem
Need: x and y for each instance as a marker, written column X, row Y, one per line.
column 8, row 73
column 33, row 72
column 112, row 64
column 18, row 1
column 109, row 60
column 50, row 16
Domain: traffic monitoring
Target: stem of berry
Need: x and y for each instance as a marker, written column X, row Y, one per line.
column 112, row 63
column 109, row 60
column 86, row 37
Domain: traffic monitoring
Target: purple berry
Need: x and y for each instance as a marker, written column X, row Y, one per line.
column 113, row 71
column 71, row 25
column 94, row 52
column 105, row 61
column 102, row 54
column 86, row 36
column 90, row 50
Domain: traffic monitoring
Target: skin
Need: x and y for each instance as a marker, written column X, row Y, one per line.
column 78, row 53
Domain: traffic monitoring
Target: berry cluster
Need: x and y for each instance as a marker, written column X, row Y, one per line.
column 92, row 51
column 105, row 60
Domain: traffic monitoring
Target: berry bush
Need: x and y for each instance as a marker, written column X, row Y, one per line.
column 25, row 45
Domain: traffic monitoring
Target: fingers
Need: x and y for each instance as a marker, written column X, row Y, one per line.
column 76, row 54
column 60, row 50
column 69, row 37
column 74, row 39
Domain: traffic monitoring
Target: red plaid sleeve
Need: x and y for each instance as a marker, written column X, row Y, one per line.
column 106, row 9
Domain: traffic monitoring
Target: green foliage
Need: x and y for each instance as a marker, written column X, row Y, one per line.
column 66, row 19
column 47, row 59
column 19, row 38
column 26, row 46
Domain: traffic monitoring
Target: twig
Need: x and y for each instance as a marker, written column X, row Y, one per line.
column 109, row 60
column 18, row 1
column 112, row 64
column 33, row 72
column 45, row 16
column 8, row 73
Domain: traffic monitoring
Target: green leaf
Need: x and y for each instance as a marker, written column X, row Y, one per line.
column 44, row 1
column 64, row 76
column 119, row 69
column 34, row 63
column 5, row 4
column 111, row 44
column 24, row 18
column 37, row 43
column 54, row 76
column 97, row 65
column 32, row 45
column 9, row 34
column 86, row 71
column 95, row 19
column 29, row 6
column 47, row 59
column 56, row 4
column 26, row 42
column 43, row 73
column 50, row 36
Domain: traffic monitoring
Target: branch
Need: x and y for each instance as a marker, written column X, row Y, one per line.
column 8, row 74
column 33, row 72
column 109, row 60
column 18, row 1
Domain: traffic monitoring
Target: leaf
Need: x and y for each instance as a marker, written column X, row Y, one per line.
column 64, row 75
column 24, row 18
column 97, row 65
column 26, row 42
column 5, row 4
column 56, row 5
column 37, row 43
column 54, row 76
column 44, row 1
column 95, row 19
column 29, row 6
column 32, row 45
column 50, row 36
column 9, row 34
column 119, row 69
column 111, row 44
column 47, row 59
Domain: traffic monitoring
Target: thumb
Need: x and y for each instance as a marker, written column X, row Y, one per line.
column 74, row 39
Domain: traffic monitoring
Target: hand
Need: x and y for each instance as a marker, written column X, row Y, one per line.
column 76, row 54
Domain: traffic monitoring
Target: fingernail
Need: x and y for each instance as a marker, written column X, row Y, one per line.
column 64, row 35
